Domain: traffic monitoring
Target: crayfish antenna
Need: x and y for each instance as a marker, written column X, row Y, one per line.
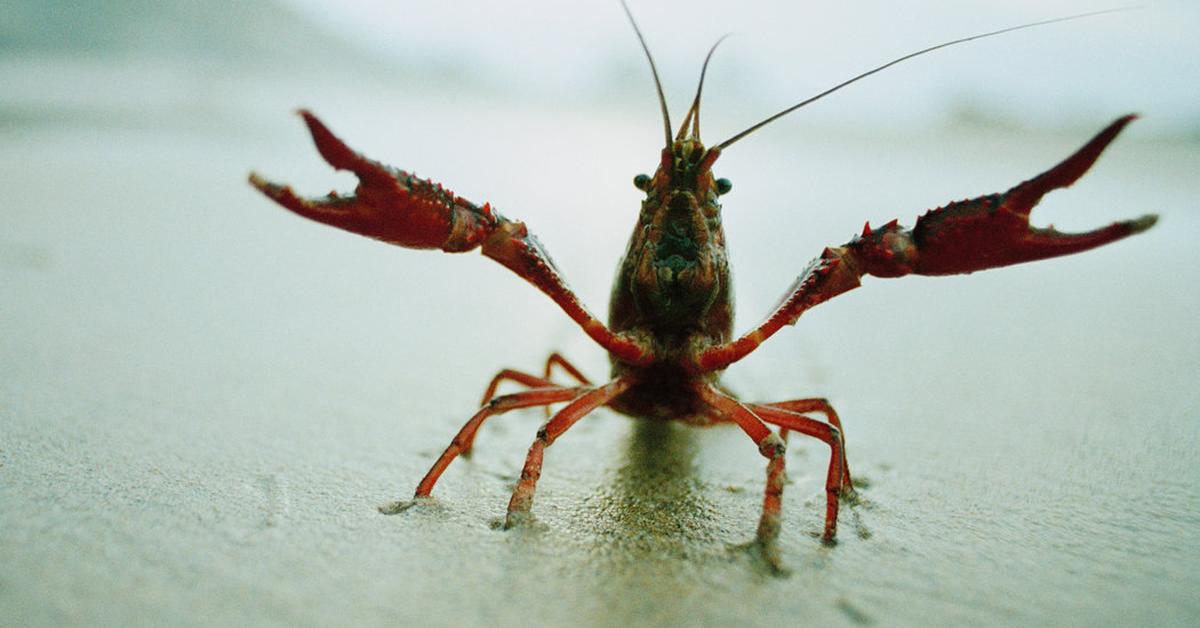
column 906, row 57
column 662, row 99
column 693, row 114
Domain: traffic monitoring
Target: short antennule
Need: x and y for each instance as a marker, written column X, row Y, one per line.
column 662, row 100
column 693, row 114
column 906, row 57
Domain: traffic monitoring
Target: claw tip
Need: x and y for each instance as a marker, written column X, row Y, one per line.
column 1139, row 225
column 313, row 123
column 257, row 181
column 1120, row 123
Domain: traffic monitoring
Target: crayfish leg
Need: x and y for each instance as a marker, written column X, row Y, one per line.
column 522, row 498
column 497, row 405
column 821, row 405
column 772, row 447
column 828, row 434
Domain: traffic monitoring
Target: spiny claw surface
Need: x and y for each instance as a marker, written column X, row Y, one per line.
column 993, row 230
column 398, row 208
column 388, row 204
column 961, row 237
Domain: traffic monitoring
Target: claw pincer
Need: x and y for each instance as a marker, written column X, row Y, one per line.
column 990, row 231
column 389, row 204
column 399, row 208
column 961, row 237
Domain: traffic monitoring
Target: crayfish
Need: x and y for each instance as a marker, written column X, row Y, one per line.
column 670, row 323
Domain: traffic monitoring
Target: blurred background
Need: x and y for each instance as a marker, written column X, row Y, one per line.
column 129, row 59
column 203, row 397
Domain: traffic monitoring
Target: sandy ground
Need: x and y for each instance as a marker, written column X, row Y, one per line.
column 203, row 399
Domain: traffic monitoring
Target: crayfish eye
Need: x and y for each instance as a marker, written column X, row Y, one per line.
column 723, row 186
column 641, row 182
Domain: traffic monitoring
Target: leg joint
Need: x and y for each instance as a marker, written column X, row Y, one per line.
column 772, row 446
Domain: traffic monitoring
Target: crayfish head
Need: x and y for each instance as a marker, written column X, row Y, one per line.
column 676, row 268
column 685, row 166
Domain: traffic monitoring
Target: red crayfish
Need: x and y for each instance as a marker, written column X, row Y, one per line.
column 670, row 324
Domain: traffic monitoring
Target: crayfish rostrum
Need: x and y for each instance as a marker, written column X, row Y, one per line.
column 670, row 333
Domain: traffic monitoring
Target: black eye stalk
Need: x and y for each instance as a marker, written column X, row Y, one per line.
column 723, row 186
column 641, row 182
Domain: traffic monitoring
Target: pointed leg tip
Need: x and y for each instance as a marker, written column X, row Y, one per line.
column 397, row 507
column 765, row 556
column 516, row 519
column 773, row 562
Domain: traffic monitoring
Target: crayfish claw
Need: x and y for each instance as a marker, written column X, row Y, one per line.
column 1024, row 196
column 342, row 157
column 324, row 210
column 389, row 204
column 993, row 230
column 1140, row 224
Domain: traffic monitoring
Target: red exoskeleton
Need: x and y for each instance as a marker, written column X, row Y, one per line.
column 670, row 325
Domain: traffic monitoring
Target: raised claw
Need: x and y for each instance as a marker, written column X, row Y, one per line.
column 398, row 208
column 388, row 204
column 962, row 237
column 991, row 231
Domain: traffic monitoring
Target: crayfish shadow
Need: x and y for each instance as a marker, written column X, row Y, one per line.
column 654, row 507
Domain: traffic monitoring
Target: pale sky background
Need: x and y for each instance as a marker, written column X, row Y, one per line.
column 1146, row 59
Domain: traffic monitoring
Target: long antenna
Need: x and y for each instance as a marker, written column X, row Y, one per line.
column 695, row 109
column 662, row 100
column 906, row 57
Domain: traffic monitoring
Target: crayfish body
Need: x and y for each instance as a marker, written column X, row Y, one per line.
column 670, row 326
